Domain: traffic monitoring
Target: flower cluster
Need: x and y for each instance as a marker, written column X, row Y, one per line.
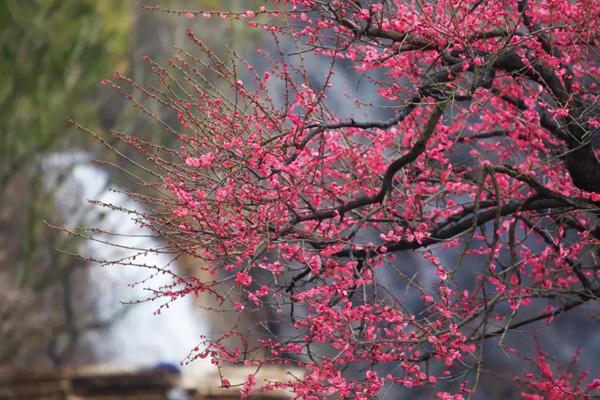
column 385, row 251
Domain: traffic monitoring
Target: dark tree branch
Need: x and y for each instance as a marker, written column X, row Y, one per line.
column 388, row 176
column 446, row 231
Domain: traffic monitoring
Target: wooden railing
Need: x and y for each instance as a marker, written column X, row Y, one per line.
column 114, row 384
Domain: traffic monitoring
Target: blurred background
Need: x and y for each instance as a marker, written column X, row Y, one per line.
column 56, row 309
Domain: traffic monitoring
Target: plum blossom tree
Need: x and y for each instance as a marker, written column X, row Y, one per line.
column 484, row 168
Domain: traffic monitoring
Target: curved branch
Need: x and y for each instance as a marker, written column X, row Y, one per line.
column 393, row 168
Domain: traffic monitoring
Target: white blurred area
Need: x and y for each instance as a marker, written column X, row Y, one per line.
column 137, row 337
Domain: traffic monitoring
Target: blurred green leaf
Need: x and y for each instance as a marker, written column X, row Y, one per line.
column 53, row 55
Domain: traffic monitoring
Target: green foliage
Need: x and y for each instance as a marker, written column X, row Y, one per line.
column 53, row 55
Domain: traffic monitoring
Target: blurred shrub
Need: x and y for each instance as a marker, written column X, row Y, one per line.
column 54, row 52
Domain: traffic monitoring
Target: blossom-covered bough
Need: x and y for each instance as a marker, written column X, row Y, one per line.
column 484, row 171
